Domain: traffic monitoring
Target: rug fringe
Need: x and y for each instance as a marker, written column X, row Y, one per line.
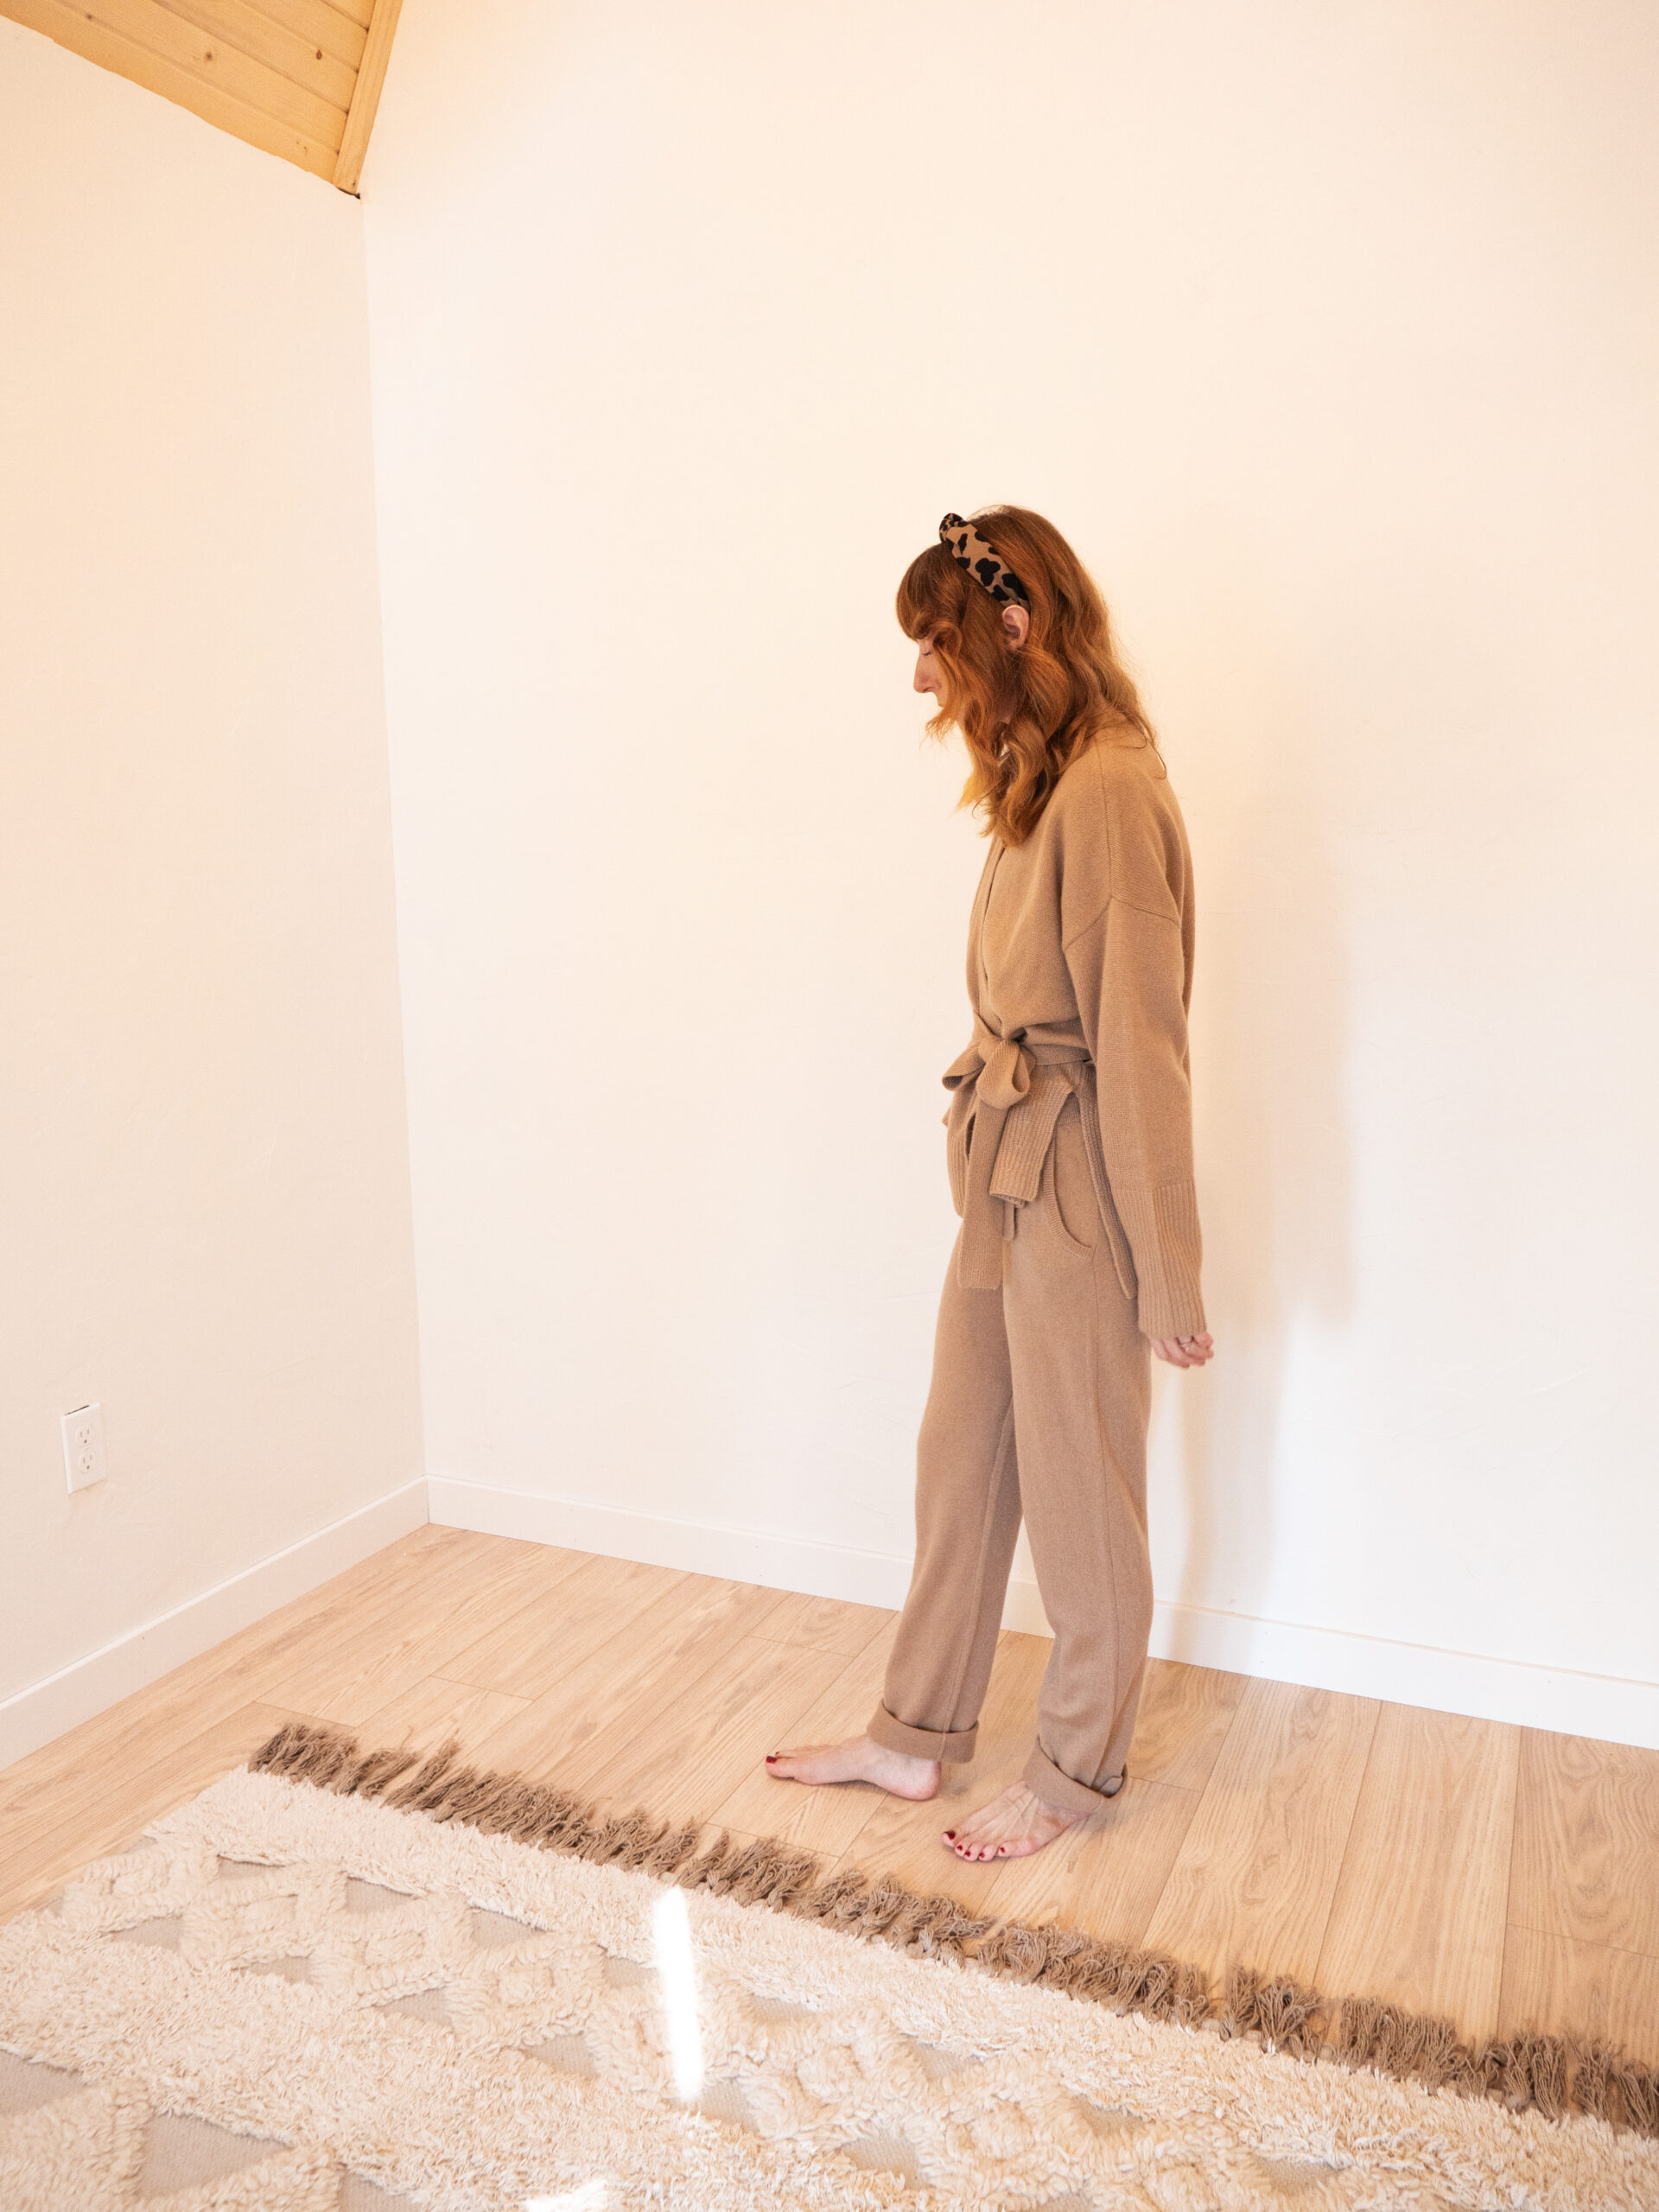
column 1555, row 2074
column 1278, row 2010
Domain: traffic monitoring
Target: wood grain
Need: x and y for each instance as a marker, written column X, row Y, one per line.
column 1552, row 1983
column 624, row 1682
column 251, row 31
column 827, row 1621
column 705, row 1739
column 526, row 1654
column 1186, row 1712
column 1421, row 1905
column 463, row 1599
column 324, row 1638
column 1253, row 1882
column 1587, row 1842
column 212, row 58
column 337, row 33
column 428, row 1714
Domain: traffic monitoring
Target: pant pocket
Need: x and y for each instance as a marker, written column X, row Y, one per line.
column 1116, row 1243
column 1071, row 1186
column 958, row 1136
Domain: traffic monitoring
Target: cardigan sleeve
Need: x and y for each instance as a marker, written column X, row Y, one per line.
column 1130, row 970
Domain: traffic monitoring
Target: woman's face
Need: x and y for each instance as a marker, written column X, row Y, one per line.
column 927, row 675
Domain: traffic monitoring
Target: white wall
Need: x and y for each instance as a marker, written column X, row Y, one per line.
column 202, row 1134
column 1329, row 334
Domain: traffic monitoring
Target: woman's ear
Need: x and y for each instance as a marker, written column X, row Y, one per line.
column 1017, row 622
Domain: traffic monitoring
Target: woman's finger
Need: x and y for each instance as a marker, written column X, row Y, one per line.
column 1185, row 1351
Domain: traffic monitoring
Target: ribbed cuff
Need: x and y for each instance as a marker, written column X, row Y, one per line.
column 954, row 1746
column 1045, row 1780
column 1162, row 1227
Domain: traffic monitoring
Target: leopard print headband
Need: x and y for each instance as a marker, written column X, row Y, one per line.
column 981, row 560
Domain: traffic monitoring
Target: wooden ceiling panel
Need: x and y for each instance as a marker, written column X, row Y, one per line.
column 250, row 32
column 339, row 35
column 300, row 78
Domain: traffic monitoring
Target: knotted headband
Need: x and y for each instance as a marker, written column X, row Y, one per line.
column 981, row 560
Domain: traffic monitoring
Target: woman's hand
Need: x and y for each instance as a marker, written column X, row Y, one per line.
column 1186, row 1351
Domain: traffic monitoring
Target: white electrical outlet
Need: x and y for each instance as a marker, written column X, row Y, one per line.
column 83, row 1446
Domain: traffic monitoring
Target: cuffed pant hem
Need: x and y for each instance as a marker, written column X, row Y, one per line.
column 1045, row 1780
column 955, row 1746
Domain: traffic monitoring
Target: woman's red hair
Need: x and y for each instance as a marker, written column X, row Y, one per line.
column 1023, row 710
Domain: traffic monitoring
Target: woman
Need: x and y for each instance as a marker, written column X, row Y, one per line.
column 1071, row 1159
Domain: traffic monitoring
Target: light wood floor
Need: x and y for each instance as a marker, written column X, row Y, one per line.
column 1502, row 1877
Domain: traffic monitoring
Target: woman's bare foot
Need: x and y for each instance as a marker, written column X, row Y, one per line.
column 1012, row 1826
column 860, row 1759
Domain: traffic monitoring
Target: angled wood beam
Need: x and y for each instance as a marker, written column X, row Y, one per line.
column 371, row 75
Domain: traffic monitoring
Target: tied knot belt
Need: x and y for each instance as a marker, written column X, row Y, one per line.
column 1008, row 1091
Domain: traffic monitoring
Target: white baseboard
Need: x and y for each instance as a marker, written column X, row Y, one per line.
column 36, row 1715
column 1579, row 1704
column 662, row 1540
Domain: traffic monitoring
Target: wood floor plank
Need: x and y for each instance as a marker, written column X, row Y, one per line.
column 326, row 1640
column 1186, row 1712
column 832, row 1624
column 484, row 1591
column 826, row 1819
column 427, row 1714
column 1253, row 1882
column 116, row 1803
column 621, row 1686
column 1556, row 1986
column 1108, row 1875
column 527, row 1654
column 1587, row 1842
column 1422, row 1902
column 302, row 1645
column 710, row 1735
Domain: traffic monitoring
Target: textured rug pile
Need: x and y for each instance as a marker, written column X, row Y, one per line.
column 297, row 1995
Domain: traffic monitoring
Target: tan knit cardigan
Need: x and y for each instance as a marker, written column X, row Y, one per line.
column 1079, row 974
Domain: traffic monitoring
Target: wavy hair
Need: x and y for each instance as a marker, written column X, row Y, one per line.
column 1025, row 711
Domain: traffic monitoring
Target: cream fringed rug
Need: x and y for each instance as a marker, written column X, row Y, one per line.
column 297, row 1998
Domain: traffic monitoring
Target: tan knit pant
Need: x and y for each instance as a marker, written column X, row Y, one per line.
column 1038, row 1405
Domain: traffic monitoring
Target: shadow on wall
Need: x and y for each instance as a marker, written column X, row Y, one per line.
column 1269, row 1051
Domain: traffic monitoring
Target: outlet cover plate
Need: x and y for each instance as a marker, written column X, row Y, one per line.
column 83, row 1446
